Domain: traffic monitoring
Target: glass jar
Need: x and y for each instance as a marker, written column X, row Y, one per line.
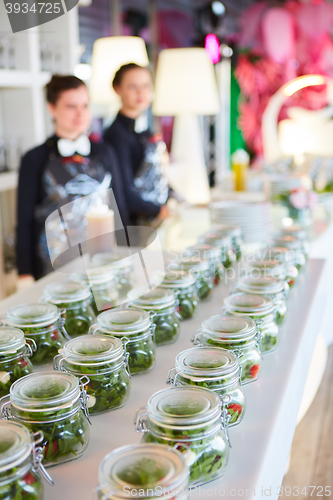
column 210, row 253
column 43, row 324
column 147, row 470
column 300, row 234
column 237, row 334
column 224, row 243
column 162, row 305
column 15, row 350
column 135, row 328
column 184, row 287
column 215, row 369
column 54, row 403
column 235, row 234
column 74, row 300
column 202, row 272
column 103, row 360
column 121, row 265
column 262, row 310
column 103, row 284
column 20, row 463
column 285, row 257
column 295, row 246
column 276, row 290
column 189, row 416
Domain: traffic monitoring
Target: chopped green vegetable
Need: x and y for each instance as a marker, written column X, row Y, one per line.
column 167, row 327
column 207, row 456
column 11, row 369
column 26, row 487
column 78, row 320
column 48, row 341
column 141, row 354
column 187, row 303
column 204, row 287
column 107, row 388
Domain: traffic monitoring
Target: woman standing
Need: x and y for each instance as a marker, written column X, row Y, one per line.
column 62, row 170
column 134, row 85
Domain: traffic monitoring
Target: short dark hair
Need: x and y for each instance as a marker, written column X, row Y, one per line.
column 122, row 70
column 59, row 84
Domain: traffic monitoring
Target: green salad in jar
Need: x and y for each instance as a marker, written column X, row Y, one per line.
column 41, row 323
column 102, row 359
column 201, row 270
column 215, row 369
column 74, row 302
column 14, row 357
column 136, row 330
column 184, row 286
column 122, row 264
column 55, row 404
column 192, row 419
column 224, row 243
column 237, row 334
column 162, row 305
column 208, row 253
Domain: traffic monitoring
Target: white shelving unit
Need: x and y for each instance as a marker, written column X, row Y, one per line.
column 23, row 112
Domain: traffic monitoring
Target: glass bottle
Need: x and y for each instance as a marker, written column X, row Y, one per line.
column 21, row 470
column 74, row 301
column 162, row 305
column 43, row 324
column 215, row 369
column 237, row 334
column 15, row 351
column 276, row 290
column 54, row 403
column 155, row 470
column 195, row 418
column 210, row 253
column 184, row 287
column 262, row 310
column 136, row 329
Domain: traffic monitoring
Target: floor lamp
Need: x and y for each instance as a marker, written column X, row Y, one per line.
column 186, row 87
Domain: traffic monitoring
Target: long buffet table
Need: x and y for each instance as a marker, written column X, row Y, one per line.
column 260, row 444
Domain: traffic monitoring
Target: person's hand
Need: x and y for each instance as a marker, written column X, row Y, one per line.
column 164, row 212
column 24, row 281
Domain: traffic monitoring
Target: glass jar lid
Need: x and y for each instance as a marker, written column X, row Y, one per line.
column 207, row 362
column 203, row 251
column 225, row 229
column 15, row 444
column 261, row 284
column 153, row 300
column 271, row 266
column 62, row 293
column 280, row 254
column 93, row 349
column 115, row 261
column 288, row 241
column 229, row 327
column 96, row 276
column 11, row 340
column 247, row 303
column 184, row 406
column 299, row 232
column 149, row 468
column 216, row 239
column 45, row 390
column 177, row 278
column 190, row 264
column 32, row 315
column 125, row 321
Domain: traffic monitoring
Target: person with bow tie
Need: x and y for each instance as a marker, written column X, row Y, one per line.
column 64, row 168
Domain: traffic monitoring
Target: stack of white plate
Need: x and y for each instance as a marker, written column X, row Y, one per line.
column 253, row 218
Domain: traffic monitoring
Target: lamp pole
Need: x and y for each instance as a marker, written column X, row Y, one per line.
column 115, row 17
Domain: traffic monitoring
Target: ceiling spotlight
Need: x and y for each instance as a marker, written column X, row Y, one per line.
column 218, row 8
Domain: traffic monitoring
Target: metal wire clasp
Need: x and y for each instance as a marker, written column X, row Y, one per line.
column 84, row 396
column 5, row 405
column 37, row 457
column 225, row 416
column 62, row 321
column 140, row 422
column 196, row 337
column 31, row 346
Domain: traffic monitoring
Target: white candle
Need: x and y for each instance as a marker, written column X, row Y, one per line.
column 100, row 228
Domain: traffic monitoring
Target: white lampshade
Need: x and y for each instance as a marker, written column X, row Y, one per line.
column 185, row 83
column 108, row 55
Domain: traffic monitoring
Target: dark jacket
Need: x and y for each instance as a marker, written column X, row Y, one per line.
column 130, row 149
column 30, row 195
